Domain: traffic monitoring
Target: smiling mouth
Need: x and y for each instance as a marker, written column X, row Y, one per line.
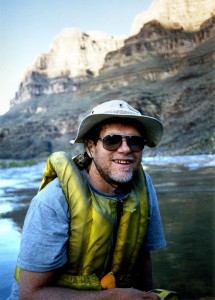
column 122, row 162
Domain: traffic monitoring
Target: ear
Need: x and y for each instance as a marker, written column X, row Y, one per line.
column 90, row 148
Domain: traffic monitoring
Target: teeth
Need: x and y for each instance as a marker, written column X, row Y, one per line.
column 124, row 162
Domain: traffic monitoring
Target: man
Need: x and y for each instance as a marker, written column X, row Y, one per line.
column 89, row 231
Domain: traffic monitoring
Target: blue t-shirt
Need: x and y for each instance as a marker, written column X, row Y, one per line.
column 46, row 230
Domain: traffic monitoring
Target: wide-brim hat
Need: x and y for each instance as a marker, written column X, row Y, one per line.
column 152, row 127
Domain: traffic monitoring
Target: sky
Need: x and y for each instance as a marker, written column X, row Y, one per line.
column 27, row 28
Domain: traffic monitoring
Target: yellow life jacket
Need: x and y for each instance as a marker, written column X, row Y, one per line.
column 92, row 223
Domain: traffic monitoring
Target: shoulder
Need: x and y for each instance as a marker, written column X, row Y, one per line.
column 148, row 179
column 52, row 195
column 53, row 186
column 155, row 237
column 150, row 188
column 51, row 201
column 152, row 195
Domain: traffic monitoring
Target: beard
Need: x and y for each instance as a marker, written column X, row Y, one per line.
column 115, row 178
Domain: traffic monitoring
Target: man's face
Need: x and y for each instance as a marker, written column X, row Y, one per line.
column 116, row 166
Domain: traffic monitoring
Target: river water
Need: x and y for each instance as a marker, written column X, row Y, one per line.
column 185, row 187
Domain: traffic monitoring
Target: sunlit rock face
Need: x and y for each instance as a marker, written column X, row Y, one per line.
column 188, row 14
column 72, row 57
column 164, row 52
column 75, row 56
column 74, row 53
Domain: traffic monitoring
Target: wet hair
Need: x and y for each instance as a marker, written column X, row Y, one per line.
column 82, row 160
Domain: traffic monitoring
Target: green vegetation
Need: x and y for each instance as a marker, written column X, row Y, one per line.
column 16, row 163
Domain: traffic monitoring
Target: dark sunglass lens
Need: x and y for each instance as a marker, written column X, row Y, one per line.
column 112, row 142
column 136, row 143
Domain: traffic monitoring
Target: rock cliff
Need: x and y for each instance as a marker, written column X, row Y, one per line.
column 72, row 57
column 186, row 14
column 165, row 72
column 157, row 47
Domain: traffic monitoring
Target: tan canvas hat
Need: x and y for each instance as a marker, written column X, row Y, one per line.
column 152, row 127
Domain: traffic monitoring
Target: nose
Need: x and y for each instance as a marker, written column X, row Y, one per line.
column 124, row 146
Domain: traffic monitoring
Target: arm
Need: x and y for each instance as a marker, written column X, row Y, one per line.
column 38, row 286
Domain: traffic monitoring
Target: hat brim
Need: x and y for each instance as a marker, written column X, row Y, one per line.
column 152, row 127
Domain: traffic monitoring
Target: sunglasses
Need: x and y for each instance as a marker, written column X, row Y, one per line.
column 112, row 142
